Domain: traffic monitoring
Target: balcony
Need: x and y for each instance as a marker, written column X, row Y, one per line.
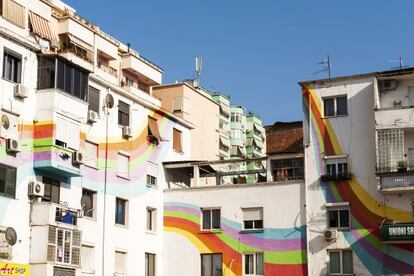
column 396, row 181
column 137, row 65
column 397, row 233
column 48, row 213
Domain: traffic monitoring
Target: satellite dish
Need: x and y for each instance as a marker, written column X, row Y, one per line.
column 86, row 203
column 109, row 101
column 11, row 236
column 5, row 122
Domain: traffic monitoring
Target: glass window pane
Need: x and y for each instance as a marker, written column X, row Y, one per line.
column 68, row 79
column 259, row 264
column 328, row 105
column 216, row 218
column 334, row 262
column 248, row 264
column 342, row 169
column 341, row 105
column 248, row 224
column 217, row 265
column 77, row 83
column 344, row 218
column 206, row 263
column 258, row 224
column 333, row 218
column 347, row 262
column 206, row 219
column 331, row 169
column 61, row 75
column 120, row 211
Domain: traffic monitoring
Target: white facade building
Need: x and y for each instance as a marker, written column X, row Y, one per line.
column 79, row 122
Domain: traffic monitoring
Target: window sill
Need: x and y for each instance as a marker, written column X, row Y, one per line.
column 121, row 226
column 247, row 231
column 335, row 116
column 179, row 152
column 88, row 271
column 152, row 186
column 212, row 231
column 3, row 78
column 151, row 232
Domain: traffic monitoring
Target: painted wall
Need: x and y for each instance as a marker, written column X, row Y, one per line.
column 283, row 240
column 353, row 135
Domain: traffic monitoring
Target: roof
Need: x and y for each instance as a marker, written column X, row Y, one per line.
column 284, row 137
column 386, row 73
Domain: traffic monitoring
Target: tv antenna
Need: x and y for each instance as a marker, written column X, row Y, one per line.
column 400, row 61
column 198, row 68
column 327, row 66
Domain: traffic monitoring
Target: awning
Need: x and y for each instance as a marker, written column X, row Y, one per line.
column 153, row 128
column 225, row 109
column 258, row 128
column 258, row 143
column 41, row 27
column 225, row 142
column 80, row 43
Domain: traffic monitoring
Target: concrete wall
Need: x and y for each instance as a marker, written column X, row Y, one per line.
column 282, row 240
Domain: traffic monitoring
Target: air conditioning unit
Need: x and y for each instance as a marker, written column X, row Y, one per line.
column 390, row 85
column 36, row 188
column 20, row 91
column 92, row 116
column 330, row 234
column 12, row 145
column 77, row 157
column 126, row 132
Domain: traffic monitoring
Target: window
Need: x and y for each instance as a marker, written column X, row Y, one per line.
column 253, row 264
column 177, row 136
column 340, row 262
column 236, row 134
column 335, row 106
column 12, row 66
column 7, row 181
column 52, row 190
column 120, row 262
column 123, row 165
column 13, row 12
column 123, row 114
column 129, row 81
column 92, row 196
column 67, row 133
column 72, row 80
column 338, row 215
column 287, row 169
column 153, row 132
column 152, row 172
column 91, row 150
column 151, row 219
column 46, row 72
column 211, row 218
column 63, row 245
column 93, row 99
column 212, row 264
column 236, row 118
column 253, row 218
column 336, row 168
column 121, row 209
column 88, row 258
column 149, row 264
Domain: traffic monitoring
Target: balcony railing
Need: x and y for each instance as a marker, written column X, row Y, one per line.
column 334, row 177
column 109, row 70
column 396, row 181
column 409, row 169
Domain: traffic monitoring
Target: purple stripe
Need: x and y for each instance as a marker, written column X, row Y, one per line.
column 265, row 244
column 183, row 209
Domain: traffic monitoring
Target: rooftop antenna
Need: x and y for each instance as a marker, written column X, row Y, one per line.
column 327, row 63
column 400, row 61
column 198, row 68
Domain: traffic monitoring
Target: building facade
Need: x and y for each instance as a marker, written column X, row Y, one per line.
column 82, row 145
column 358, row 149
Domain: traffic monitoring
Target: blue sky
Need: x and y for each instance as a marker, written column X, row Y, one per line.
column 257, row 51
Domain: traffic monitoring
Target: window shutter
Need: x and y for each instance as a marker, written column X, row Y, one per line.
column 120, row 262
column 91, row 154
column 13, row 12
column 68, row 132
column 93, row 99
column 178, row 104
column 123, row 165
column 76, row 243
column 177, row 140
column 152, row 169
column 252, row 213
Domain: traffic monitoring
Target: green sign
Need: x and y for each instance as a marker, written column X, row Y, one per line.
column 397, row 232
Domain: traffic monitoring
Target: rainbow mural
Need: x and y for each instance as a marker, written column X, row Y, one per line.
column 38, row 151
column 284, row 249
column 367, row 213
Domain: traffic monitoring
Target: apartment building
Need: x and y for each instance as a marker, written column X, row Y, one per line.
column 358, row 159
column 195, row 105
column 214, row 227
column 81, row 146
